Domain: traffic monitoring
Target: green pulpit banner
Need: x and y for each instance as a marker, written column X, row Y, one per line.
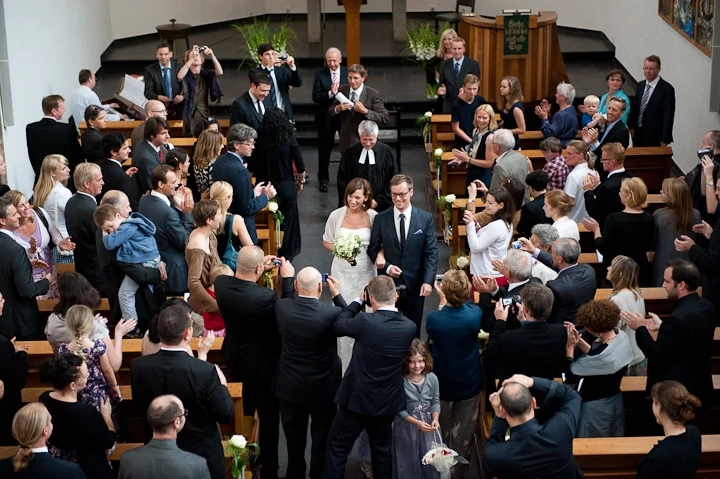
column 516, row 34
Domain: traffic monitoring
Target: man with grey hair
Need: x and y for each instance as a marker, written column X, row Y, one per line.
column 369, row 159
column 543, row 236
column 231, row 167
column 564, row 124
column 509, row 163
column 575, row 284
column 309, row 370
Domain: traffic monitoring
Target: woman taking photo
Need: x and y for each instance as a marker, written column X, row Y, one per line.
column 92, row 138
column 232, row 233
column 452, row 332
column 512, row 112
column 208, row 148
column 676, row 218
column 557, row 207
column 479, row 157
column 678, row 455
column 201, row 255
column 199, row 88
column 615, row 80
column 51, row 193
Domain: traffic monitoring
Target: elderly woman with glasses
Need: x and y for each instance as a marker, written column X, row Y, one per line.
column 91, row 137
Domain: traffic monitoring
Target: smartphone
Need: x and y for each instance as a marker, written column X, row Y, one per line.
column 516, row 244
column 704, row 152
column 325, row 277
column 439, row 278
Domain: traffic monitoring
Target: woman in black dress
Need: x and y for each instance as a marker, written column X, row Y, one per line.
column 80, row 434
column 677, row 456
column 512, row 112
column 277, row 155
column 91, row 137
column 630, row 232
column 478, row 167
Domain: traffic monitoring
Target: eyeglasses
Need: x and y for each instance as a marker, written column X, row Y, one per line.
column 400, row 195
column 250, row 144
column 184, row 414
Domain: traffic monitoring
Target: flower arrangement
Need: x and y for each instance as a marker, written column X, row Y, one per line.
column 422, row 40
column 258, row 31
column 274, row 208
column 348, row 246
column 423, row 121
column 445, row 204
column 241, row 453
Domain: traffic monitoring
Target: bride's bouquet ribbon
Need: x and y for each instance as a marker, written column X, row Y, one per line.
column 347, row 245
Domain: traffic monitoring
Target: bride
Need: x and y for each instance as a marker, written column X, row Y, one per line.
column 355, row 217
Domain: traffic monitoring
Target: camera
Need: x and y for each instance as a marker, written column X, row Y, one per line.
column 325, row 277
column 704, row 152
column 284, row 56
column 439, row 278
column 202, row 49
column 277, row 262
column 516, row 244
column 511, row 301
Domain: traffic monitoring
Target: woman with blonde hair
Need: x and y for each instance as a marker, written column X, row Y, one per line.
column 207, row 149
column 479, row 157
column 31, row 428
column 623, row 274
column 510, row 106
column 557, row 207
column 630, row 232
column 675, row 219
column 51, row 190
column 444, row 52
column 232, row 233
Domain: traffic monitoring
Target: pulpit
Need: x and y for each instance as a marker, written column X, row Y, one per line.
column 526, row 47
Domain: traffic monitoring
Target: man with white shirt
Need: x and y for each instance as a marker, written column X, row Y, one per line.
column 359, row 102
column 161, row 81
column 84, row 96
column 147, row 155
column 576, row 157
column 509, row 163
column 281, row 79
column 453, row 72
column 602, row 199
column 652, row 109
column 369, row 159
column 325, row 87
column 80, row 225
column 249, row 108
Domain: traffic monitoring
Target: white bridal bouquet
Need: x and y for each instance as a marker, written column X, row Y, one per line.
column 348, row 246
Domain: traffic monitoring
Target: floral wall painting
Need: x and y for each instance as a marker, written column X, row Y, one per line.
column 693, row 19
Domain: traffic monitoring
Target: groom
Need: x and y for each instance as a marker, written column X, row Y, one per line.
column 406, row 235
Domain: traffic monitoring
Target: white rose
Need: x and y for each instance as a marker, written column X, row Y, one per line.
column 273, row 207
column 238, row 440
column 462, row 262
column 438, row 152
column 450, row 198
column 428, row 114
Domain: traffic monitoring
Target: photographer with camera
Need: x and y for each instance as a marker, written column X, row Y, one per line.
column 199, row 88
column 701, row 179
column 281, row 78
column 251, row 348
column 371, row 392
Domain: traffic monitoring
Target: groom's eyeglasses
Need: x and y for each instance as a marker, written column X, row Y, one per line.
column 400, row 195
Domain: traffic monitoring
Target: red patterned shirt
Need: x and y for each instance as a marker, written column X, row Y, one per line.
column 557, row 171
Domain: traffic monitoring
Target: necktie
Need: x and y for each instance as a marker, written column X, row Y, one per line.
column 168, row 83
column 259, row 107
column 353, row 96
column 162, row 160
column 643, row 103
column 402, row 230
column 457, row 70
column 273, row 93
column 334, row 78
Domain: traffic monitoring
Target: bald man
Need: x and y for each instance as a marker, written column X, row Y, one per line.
column 251, row 348
column 153, row 109
column 309, row 371
column 161, row 457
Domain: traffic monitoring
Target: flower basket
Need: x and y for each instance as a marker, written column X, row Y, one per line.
column 441, row 457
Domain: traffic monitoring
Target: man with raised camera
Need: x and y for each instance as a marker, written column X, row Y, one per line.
column 371, row 392
column 281, row 78
column 701, row 179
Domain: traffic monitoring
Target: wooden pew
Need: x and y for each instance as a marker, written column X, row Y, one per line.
column 128, row 126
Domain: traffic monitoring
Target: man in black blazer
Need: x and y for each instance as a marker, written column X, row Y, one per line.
column 50, row 135
column 532, row 212
column 80, row 225
column 407, row 236
column 602, row 199
column 251, row 348
column 652, row 109
column 161, row 82
column 309, row 370
column 249, row 108
column 281, row 78
column 325, row 87
column 147, row 155
column 453, row 72
column 20, row 317
column 200, row 385
column 683, row 349
column 545, row 449
column 117, row 150
column 165, row 206
column 13, row 375
column 576, row 283
column 371, row 392
column 615, row 131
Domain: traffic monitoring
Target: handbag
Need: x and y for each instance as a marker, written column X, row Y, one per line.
column 229, row 257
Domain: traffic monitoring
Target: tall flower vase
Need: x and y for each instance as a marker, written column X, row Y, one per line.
column 278, row 243
column 447, row 229
column 240, row 473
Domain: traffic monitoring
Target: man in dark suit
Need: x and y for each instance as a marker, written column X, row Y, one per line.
column 50, row 135
column 407, row 236
column 575, row 284
column 325, row 87
column 231, row 167
column 13, row 376
column 602, row 199
column 249, row 107
column 615, row 131
column 371, row 392
column 200, row 385
column 453, row 72
column 117, row 151
column 281, row 79
column 683, row 349
column 309, row 371
column 80, row 225
column 161, row 82
column 251, row 348
column 371, row 160
column 545, row 449
column 147, row 155
column 161, row 457
column 652, row 109
column 360, row 102
column 153, row 109
column 20, row 317
column 165, row 206
column 532, row 212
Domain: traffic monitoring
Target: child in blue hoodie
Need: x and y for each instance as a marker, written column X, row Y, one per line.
column 134, row 237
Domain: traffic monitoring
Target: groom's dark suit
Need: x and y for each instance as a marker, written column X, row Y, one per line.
column 417, row 260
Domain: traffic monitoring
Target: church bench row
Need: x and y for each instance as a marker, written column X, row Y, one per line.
column 127, row 127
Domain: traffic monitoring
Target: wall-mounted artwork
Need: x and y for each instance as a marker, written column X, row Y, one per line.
column 691, row 18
